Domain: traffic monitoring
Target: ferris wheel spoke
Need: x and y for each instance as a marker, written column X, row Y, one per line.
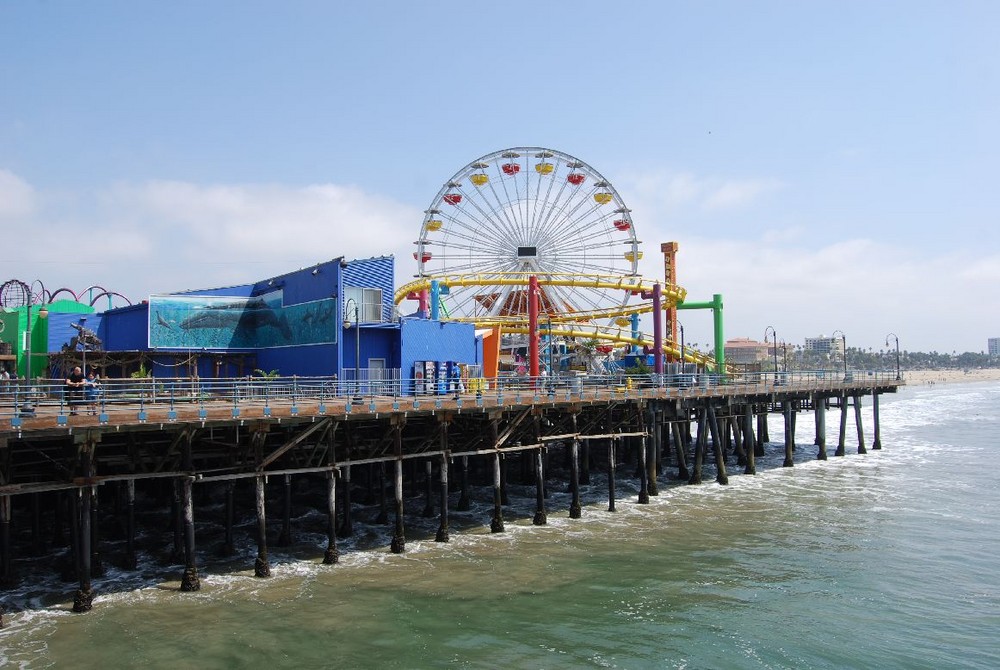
column 497, row 226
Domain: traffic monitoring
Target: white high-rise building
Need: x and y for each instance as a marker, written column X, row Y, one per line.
column 993, row 346
column 825, row 345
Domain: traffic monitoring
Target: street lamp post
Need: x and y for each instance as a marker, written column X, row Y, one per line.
column 784, row 355
column 774, row 336
column 895, row 337
column 83, row 343
column 843, row 344
column 357, row 399
column 552, row 381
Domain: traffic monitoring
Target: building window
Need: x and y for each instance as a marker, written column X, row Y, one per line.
column 369, row 301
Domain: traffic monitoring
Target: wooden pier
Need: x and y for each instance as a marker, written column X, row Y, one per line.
column 57, row 469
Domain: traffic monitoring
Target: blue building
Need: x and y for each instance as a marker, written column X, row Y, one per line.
column 334, row 318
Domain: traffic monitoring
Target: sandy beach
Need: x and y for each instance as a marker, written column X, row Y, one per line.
column 956, row 376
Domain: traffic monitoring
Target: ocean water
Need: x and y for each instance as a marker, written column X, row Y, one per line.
column 884, row 560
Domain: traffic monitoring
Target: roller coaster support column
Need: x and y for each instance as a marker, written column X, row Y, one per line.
column 423, row 306
column 533, row 327
column 635, row 332
column 720, row 339
column 435, row 299
column 657, row 295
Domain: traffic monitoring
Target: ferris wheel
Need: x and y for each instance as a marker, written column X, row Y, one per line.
column 528, row 211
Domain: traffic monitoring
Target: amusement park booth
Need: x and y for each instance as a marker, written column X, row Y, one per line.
column 336, row 318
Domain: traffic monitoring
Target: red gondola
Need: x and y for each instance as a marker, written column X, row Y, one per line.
column 622, row 224
column 453, row 198
column 510, row 168
column 575, row 178
column 422, row 257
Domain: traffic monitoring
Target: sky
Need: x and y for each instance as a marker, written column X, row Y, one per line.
column 824, row 166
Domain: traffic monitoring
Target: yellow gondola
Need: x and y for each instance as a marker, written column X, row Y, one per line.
column 602, row 198
column 479, row 179
column 623, row 321
column 434, row 224
column 544, row 168
column 633, row 256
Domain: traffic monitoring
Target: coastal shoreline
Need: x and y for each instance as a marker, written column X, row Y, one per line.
column 950, row 376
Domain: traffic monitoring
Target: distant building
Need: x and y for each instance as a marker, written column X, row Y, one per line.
column 825, row 345
column 744, row 351
column 993, row 346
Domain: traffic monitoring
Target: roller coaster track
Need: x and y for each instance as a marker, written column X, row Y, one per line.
column 575, row 325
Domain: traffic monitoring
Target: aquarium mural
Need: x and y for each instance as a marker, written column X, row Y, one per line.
column 225, row 322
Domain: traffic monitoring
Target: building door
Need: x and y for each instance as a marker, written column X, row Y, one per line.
column 376, row 375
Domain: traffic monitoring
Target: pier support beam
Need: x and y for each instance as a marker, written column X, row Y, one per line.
column 442, row 531
column 735, row 424
column 428, row 489
column 383, row 509
column 7, row 579
column 285, row 536
column 786, row 410
column 650, row 447
column 843, row 425
column 682, row 470
column 643, row 470
column 720, row 458
column 699, row 448
column 857, row 424
column 190, row 580
column 332, row 554
column 612, row 462
column 819, row 407
column 83, row 600
column 875, row 421
column 261, row 566
column 575, row 511
column 398, row 545
column 540, row 518
column 749, row 442
column 131, row 560
column 496, row 523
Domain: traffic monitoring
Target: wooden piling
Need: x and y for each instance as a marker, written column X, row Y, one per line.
column 398, row 545
column 819, row 407
column 131, row 560
column 332, row 554
column 749, row 442
column 442, row 531
column 843, row 425
column 857, row 424
column 575, row 510
column 875, row 421
column 612, row 462
column 541, row 517
column 649, row 444
column 190, row 580
column 261, row 567
column 682, row 470
column 699, row 448
column 720, row 459
column 496, row 523
column 428, row 488
column 786, row 411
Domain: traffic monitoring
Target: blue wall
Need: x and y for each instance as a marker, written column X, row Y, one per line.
column 426, row 340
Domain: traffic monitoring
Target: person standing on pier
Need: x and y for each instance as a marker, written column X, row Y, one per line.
column 74, row 389
column 92, row 389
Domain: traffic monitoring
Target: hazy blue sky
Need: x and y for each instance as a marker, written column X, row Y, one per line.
column 824, row 165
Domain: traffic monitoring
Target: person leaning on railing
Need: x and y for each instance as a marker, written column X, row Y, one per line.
column 74, row 389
